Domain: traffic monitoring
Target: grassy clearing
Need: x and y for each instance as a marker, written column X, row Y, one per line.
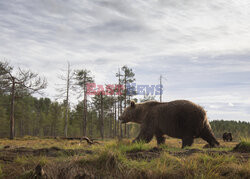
column 197, row 165
column 123, row 159
column 113, row 159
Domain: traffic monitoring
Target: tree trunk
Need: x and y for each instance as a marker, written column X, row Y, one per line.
column 115, row 119
column 85, row 108
column 51, row 130
column 125, row 101
column 12, row 121
column 67, row 105
column 101, row 126
column 21, row 127
column 91, row 125
column 129, row 125
column 66, row 121
column 110, row 126
column 20, row 130
column 121, row 135
column 118, row 114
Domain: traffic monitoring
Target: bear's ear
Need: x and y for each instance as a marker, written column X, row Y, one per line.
column 132, row 104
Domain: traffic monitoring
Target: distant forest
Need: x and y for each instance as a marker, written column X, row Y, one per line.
column 237, row 128
column 21, row 114
column 42, row 117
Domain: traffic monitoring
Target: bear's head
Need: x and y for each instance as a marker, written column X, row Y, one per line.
column 130, row 114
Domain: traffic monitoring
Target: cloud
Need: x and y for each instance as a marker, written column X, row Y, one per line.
column 202, row 48
column 214, row 106
column 231, row 104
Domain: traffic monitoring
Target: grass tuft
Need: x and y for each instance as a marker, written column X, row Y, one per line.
column 245, row 139
column 243, row 146
column 135, row 147
column 205, row 166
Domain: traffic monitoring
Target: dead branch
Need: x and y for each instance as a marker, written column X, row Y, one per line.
column 88, row 140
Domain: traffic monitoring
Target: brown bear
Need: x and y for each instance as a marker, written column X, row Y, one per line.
column 180, row 119
column 227, row 136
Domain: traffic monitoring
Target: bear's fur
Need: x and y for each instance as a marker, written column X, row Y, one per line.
column 227, row 136
column 180, row 119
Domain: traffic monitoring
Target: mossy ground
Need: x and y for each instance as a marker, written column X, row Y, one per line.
column 121, row 159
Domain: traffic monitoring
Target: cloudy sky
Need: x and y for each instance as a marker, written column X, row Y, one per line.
column 202, row 48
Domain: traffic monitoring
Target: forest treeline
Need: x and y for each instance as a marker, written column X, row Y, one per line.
column 43, row 117
column 96, row 116
column 237, row 128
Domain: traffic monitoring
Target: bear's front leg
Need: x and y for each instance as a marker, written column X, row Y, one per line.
column 187, row 141
column 160, row 138
column 145, row 135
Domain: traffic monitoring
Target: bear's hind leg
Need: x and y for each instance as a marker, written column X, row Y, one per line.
column 187, row 141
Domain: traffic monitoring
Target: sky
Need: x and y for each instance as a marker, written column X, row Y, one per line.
column 202, row 48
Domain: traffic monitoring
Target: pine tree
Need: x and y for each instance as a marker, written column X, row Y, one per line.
column 22, row 83
column 128, row 78
column 83, row 77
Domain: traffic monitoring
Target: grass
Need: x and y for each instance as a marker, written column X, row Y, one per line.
column 1, row 172
column 198, row 165
column 243, row 146
column 123, row 159
column 129, row 147
column 245, row 139
column 43, row 143
column 204, row 165
column 31, row 160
